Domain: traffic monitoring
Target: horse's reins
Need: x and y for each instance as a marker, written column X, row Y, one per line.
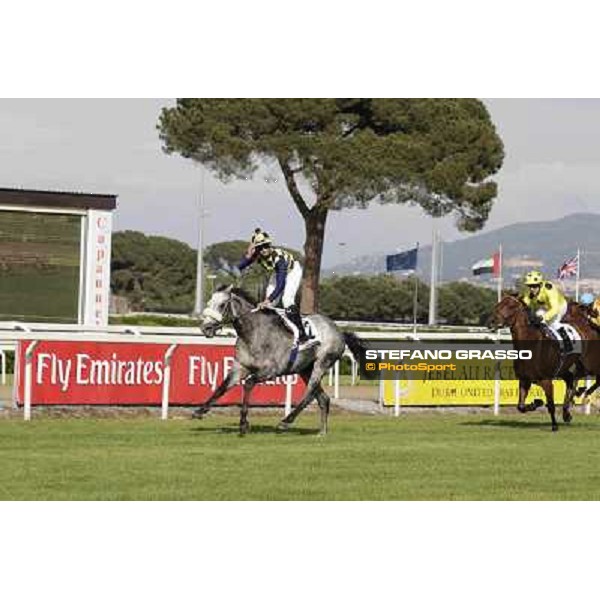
column 220, row 317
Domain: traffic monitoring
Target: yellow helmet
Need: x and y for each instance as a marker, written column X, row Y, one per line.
column 534, row 278
column 261, row 238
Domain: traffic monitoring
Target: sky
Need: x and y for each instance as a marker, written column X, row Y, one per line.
column 112, row 146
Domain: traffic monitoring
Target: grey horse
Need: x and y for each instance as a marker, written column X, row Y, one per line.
column 264, row 351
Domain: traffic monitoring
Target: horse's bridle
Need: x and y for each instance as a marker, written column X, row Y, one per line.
column 211, row 313
column 513, row 300
column 219, row 318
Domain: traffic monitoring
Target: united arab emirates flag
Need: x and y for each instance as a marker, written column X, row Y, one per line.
column 488, row 265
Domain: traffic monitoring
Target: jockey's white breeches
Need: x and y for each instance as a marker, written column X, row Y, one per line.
column 554, row 323
column 292, row 285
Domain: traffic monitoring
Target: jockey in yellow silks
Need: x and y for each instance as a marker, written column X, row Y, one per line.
column 545, row 299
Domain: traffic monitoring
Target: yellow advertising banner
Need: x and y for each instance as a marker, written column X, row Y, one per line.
column 464, row 387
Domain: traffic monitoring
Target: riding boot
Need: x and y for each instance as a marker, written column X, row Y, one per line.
column 293, row 314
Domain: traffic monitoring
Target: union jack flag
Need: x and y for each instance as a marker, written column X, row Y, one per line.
column 569, row 269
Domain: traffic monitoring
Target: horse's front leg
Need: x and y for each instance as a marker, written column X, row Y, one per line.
column 548, row 386
column 233, row 378
column 249, row 384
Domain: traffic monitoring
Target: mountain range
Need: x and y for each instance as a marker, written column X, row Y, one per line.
column 544, row 245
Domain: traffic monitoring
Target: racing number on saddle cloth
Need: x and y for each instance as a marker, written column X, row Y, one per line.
column 569, row 339
column 308, row 328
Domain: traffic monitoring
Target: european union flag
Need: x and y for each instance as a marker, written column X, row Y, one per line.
column 405, row 261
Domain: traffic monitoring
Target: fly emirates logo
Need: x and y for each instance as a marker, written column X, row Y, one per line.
column 82, row 369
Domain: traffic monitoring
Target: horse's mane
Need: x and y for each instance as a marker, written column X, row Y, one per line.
column 578, row 309
column 276, row 321
column 515, row 297
column 244, row 295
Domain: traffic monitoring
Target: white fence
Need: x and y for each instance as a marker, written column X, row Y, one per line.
column 12, row 332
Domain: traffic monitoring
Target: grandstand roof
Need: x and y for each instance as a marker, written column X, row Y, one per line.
column 56, row 199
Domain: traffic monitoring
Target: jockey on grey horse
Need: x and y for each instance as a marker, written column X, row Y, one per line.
column 286, row 276
column 265, row 349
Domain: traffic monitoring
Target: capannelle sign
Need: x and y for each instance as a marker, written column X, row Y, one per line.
column 120, row 373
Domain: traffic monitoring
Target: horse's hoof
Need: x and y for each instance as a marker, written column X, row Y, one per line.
column 282, row 426
column 567, row 417
column 198, row 414
column 244, row 429
column 554, row 428
column 538, row 403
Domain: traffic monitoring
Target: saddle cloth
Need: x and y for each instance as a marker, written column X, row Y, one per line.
column 572, row 335
column 309, row 327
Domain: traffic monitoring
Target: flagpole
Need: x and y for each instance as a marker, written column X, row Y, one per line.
column 433, row 281
column 577, row 275
column 440, row 268
column 500, row 273
column 199, row 299
column 416, row 296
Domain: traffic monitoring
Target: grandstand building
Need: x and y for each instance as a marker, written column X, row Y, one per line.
column 55, row 256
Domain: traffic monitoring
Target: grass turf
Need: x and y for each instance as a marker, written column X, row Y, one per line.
column 417, row 457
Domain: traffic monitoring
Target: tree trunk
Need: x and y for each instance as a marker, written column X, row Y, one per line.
column 314, row 223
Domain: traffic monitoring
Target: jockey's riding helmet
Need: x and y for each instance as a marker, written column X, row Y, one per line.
column 534, row 278
column 261, row 239
column 587, row 299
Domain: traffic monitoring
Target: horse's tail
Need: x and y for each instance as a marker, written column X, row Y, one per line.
column 358, row 347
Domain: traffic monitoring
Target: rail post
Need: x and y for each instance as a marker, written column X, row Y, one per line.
column 588, row 399
column 336, row 380
column 353, row 369
column 288, row 395
column 3, row 359
column 497, row 377
column 497, row 390
column 28, row 379
column 397, row 397
column 167, row 382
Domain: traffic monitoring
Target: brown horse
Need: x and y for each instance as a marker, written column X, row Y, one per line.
column 579, row 316
column 547, row 362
